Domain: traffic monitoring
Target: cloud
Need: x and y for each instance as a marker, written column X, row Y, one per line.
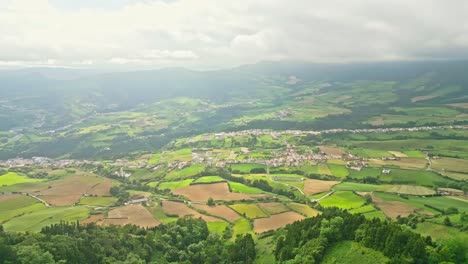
column 214, row 34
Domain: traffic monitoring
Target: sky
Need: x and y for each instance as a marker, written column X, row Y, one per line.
column 211, row 34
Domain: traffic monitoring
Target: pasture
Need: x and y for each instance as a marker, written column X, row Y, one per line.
column 217, row 227
column 12, row 178
column 36, row 220
column 14, row 205
column 440, row 232
column 186, row 172
column 350, row 252
column 273, row 208
column 241, row 226
column 209, row 179
column 246, row 167
column 251, row 211
column 303, row 209
column 276, row 221
column 339, row 171
column 343, row 200
column 241, row 188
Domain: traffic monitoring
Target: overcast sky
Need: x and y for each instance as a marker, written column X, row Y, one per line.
column 208, row 34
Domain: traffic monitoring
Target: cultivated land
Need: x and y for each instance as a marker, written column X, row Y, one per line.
column 266, row 157
column 217, row 191
column 131, row 214
column 317, row 186
column 276, row 221
column 181, row 209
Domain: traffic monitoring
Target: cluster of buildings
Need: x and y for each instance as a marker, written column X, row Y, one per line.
column 44, row 162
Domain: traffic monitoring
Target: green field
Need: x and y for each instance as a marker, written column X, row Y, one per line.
column 35, row 221
column 241, row 188
column 251, row 211
column 209, row 179
column 440, row 232
column 375, row 214
column 352, row 252
column 439, row 202
column 185, row 172
column 417, row 177
column 246, row 167
column 12, row 178
column 217, row 227
column 365, row 172
column 359, row 187
column 18, row 206
column 241, row 226
column 324, row 169
column 343, row 199
column 303, row 209
column 174, row 184
column 98, row 201
column 338, row 170
column 157, row 211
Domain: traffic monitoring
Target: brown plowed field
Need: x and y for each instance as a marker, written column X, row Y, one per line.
column 318, row 186
column 66, row 191
column 130, row 214
column 217, row 191
column 181, row 209
column 276, row 221
column 331, row 150
column 393, row 209
column 102, row 189
column 221, row 211
column 7, row 197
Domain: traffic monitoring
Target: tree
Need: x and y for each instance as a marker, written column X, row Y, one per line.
column 33, row 254
column 447, row 221
column 211, row 202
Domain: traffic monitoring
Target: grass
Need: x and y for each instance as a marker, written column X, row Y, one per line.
column 440, row 232
column 343, row 199
column 417, row 177
column 157, row 211
column 186, row 172
column 264, row 248
column 414, row 154
column 375, row 214
column 209, row 179
column 352, row 252
column 410, row 189
column 251, row 211
column 358, row 187
column 98, row 201
column 303, row 209
column 323, row 169
column 370, row 153
column 217, row 227
column 174, row 184
column 450, row 164
column 439, row 202
column 12, row 178
column 241, row 188
column 338, row 170
column 365, row 172
column 18, row 206
column 35, row 221
column 241, row 226
column 246, row 167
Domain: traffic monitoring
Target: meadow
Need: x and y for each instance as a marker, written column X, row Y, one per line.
column 12, row 178
column 343, row 199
